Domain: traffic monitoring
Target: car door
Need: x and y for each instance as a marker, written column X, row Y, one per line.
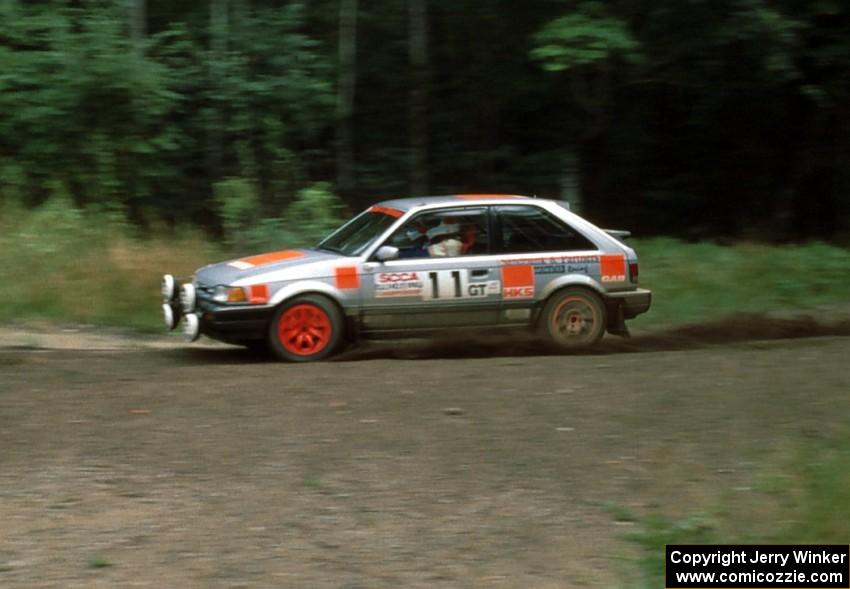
column 534, row 248
column 433, row 285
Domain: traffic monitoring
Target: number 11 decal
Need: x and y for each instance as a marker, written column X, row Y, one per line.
column 444, row 285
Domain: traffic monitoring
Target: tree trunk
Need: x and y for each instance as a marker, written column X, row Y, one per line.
column 419, row 96
column 571, row 179
column 345, row 96
column 138, row 20
column 219, row 25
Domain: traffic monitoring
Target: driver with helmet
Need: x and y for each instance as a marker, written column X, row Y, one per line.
column 444, row 239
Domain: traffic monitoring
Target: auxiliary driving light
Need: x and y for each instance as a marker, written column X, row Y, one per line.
column 168, row 316
column 187, row 297
column 191, row 327
column 168, row 288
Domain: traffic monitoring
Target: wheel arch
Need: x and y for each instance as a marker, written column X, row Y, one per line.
column 323, row 290
column 568, row 281
column 305, row 287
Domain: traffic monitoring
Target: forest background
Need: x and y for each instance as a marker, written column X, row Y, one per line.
column 691, row 118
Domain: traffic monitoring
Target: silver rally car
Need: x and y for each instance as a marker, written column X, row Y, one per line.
column 419, row 264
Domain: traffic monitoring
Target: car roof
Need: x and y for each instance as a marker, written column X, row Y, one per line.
column 406, row 204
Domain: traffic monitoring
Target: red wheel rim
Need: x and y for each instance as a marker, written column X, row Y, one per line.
column 304, row 329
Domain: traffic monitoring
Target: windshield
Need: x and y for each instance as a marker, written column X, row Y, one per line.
column 358, row 234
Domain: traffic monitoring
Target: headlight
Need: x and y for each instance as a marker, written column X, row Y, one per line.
column 229, row 294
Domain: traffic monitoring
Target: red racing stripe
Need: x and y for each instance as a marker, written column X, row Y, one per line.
column 386, row 210
column 270, row 257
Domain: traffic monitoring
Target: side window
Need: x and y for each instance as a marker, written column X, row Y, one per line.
column 527, row 229
column 443, row 233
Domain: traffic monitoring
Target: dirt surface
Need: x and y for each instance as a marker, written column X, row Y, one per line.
column 144, row 462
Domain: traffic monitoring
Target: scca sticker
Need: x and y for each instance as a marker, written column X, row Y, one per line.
column 398, row 284
column 396, row 277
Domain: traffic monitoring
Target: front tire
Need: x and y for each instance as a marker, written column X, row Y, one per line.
column 306, row 328
column 574, row 318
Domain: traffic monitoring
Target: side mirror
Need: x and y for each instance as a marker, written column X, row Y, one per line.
column 386, row 253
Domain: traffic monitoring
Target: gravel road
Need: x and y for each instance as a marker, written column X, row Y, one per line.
column 128, row 462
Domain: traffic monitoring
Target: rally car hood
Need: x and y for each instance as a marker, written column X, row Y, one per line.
column 243, row 270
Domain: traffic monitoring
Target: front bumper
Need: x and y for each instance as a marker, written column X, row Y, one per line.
column 233, row 325
column 632, row 302
column 197, row 313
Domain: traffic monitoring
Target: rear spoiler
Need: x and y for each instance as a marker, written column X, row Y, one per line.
column 618, row 233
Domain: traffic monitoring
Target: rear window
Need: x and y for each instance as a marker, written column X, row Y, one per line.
column 527, row 229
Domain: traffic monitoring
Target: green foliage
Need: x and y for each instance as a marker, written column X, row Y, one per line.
column 135, row 125
column 584, row 37
column 698, row 282
column 810, row 487
column 238, row 205
column 313, row 214
column 686, row 118
column 99, row 562
column 656, row 530
column 78, row 107
column 66, row 264
column 775, row 36
column 270, row 89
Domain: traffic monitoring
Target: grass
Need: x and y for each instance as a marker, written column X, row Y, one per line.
column 800, row 498
column 58, row 264
column 98, row 562
column 618, row 512
column 812, row 500
column 706, row 281
column 61, row 264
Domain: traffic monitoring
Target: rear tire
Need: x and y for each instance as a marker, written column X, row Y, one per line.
column 574, row 318
column 305, row 329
